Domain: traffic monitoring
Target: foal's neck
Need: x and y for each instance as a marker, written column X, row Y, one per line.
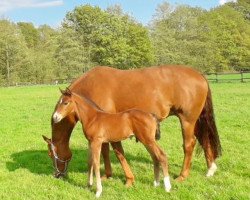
column 86, row 110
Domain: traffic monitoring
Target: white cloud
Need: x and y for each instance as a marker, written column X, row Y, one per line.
column 6, row 5
column 226, row 1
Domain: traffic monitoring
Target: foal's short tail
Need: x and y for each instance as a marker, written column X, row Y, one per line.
column 158, row 130
column 206, row 130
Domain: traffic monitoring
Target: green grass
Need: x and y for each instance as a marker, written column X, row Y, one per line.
column 26, row 170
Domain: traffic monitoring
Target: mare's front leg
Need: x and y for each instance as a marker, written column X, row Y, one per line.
column 95, row 146
column 106, row 160
column 117, row 146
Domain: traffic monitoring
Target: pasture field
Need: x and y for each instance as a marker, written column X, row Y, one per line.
column 26, row 169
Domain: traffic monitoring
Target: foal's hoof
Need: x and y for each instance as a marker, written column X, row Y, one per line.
column 98, row 194
column 180, row 178
column 129, row 182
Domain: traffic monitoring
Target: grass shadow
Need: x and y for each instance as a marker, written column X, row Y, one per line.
column 38, row 161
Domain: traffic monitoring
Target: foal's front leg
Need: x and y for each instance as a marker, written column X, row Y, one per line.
column 90, row 168
column 95, row 152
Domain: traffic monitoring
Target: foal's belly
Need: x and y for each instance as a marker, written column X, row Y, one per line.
column 116, row 135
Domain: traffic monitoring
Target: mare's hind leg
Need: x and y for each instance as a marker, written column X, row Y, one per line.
column 210, row 160
column 106, row 160
column 189, row 142
column 120, row 155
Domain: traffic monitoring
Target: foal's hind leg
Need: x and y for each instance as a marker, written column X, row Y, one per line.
column 106, row 160
column 157, row 154
column 120, row 155
column 189, row 142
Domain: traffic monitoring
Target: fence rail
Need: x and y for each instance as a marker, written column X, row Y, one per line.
column 229, row 77
column 212, row 77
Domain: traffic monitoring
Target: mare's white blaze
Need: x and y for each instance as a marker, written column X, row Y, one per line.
column 156, row 183
column 57, row 117
column 167, row 183
column 211, row 170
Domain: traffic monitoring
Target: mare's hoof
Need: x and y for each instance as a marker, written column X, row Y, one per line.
column 129, row 182
column 180, row 178
column 105, row 177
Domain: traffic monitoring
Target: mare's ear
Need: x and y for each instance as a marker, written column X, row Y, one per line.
column 46, row 139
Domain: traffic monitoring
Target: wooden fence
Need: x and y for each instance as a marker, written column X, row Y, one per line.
column 229, row 77
column 221, row 77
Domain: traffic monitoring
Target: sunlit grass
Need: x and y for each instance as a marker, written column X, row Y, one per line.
column 25, row 168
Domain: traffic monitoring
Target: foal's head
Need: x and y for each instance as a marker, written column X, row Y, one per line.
column 64, row 107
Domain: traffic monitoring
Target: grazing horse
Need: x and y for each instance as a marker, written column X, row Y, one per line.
column 101, row 127
column 164, row 90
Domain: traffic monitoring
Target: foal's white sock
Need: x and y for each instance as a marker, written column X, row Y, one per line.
column 167, row 183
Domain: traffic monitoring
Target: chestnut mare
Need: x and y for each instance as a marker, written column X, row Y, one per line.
column 101, row 127
column 164, row 91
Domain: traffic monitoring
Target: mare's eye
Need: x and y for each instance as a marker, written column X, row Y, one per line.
column 65, row 103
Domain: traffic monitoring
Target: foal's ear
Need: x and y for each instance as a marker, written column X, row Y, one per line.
column 46, row 139
column 66, row 92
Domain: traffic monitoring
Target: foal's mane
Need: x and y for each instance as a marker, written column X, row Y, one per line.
column 68, row 92
column 90, row 101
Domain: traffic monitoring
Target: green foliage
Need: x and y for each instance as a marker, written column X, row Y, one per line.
column 14, row 56
column 110, row 37
column 30, row 33
column 216, row 40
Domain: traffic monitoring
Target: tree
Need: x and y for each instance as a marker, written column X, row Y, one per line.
column 30, row 33
column 175, row 34
column 70, row 55
column 229, row 33
column 14, row 60
column 110, row 37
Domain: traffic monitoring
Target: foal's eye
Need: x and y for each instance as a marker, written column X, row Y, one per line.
column 65, row 103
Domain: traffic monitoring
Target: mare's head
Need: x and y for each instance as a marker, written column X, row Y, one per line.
column 65, row 106
column 60, row 164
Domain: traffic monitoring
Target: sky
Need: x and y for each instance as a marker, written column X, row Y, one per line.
column 52, row 12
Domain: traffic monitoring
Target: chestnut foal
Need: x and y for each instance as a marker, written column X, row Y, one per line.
column 101, row 127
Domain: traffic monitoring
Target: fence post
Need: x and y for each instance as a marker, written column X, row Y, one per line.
column 241, row 74
column 216, row 75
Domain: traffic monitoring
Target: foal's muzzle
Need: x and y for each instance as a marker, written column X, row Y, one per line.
column 57, row 117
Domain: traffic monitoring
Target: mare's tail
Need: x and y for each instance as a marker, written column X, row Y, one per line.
column 206, row 130
column 158, row 130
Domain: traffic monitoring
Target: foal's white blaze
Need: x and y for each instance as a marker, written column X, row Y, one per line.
column 211, row 170
column 167, row 183
column 57, row 117
column 156, row 183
